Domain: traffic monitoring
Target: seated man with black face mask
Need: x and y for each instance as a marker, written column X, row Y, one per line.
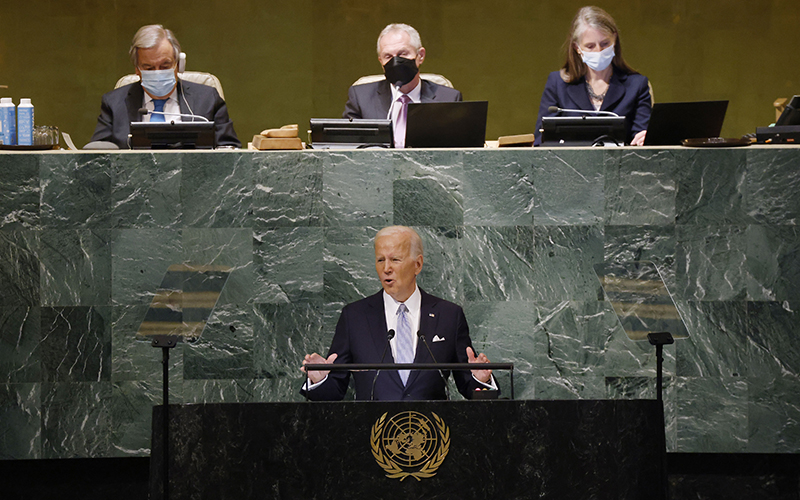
column 400, row 52
column 154, row 53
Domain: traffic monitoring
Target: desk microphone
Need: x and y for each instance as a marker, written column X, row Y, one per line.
column 422, row 338
column 556, row 109
column 145, row 111
column 389, row 337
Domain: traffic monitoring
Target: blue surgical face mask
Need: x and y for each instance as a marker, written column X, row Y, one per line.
column 598, row 61
column 158, row 82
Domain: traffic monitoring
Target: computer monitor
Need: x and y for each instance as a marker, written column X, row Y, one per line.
column 347, row 133
column 583, row 130
column 459, row 124
column 672, row 122
column 791, row 114
column 173, row 135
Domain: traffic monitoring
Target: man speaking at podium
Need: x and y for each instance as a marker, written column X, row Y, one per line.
column 426, row 329
column 400, row 52
column 155, row 53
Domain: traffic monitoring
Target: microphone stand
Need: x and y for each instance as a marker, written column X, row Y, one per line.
column 441, row 373
column 389, row 337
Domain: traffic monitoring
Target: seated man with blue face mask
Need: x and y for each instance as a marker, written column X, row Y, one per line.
column 154, row 53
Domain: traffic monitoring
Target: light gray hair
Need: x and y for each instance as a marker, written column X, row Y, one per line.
column 415, row 240
column 148, row 37
column 413, row 34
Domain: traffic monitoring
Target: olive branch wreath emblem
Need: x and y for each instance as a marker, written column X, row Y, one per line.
column 392, row 469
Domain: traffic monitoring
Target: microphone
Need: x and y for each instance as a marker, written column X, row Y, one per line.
column 556, row 109
column 389, row 337
column 145, row 111
column 446, row 388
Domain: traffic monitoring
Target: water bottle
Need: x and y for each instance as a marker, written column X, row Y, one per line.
column 8, row 118
column 25, row 122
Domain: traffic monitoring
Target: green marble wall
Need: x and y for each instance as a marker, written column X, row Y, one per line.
column 512, row 235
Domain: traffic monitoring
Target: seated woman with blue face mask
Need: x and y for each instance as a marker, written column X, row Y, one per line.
column 596, row 77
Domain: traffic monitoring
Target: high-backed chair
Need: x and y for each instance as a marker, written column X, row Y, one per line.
column 190, row 76
column 431, row 77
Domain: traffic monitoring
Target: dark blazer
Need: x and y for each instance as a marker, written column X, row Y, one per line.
column 372, row 100
column 361, row 338
column 627, row 95
column 121, row 106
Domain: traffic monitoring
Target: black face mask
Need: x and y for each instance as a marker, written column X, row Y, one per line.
column 400, row 71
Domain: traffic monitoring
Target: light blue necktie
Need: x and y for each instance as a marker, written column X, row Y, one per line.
column 405, row 344
column 158, row 105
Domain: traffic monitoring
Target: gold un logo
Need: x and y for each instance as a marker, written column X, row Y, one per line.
column 409, row 444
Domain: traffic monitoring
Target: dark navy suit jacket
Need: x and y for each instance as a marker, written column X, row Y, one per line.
column 372, row 100
column 627, row 95
column 361, row 338
column 121, row 106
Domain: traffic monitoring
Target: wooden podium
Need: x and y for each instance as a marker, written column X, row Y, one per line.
column 434, row 450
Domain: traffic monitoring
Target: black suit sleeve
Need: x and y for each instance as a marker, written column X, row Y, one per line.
column 352, row 109
column 465, row 382
column 223, row 125
column 105, row 122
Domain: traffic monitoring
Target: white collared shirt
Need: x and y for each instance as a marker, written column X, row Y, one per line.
column 414, row 304
column 171, row 107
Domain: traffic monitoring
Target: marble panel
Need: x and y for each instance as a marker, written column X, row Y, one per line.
column 571, row 342
column 349, row 267
column 225, row 348
column 139, row 260
column 288, row 264
column 228, row 247
column 498, row 263
column 19, row 203
column 20, row 279
column 774, row 330
column 568, row 187
column 76, row 344
column 711, row 187
column 640, row 187
column 563, row 260
column 288, row 189
column 711, row 262
column 20, row 344
column 216, row 190
column 130, row 413
column 444, row 267
column 772, row 270
column 426, row 202
column 773, row 414
column 76, row 191
column 718, row 343
column 497, row 188
column 75, row 267
column 76, row 419
column 712, row 414
column 137, row 360
column 652, row 243
column 772, row 184
column 146, row 190
column 20, row 421
column 357, row 188
column 285, row 333
column 506, row 332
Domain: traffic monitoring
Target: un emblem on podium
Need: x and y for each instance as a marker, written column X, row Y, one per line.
column 410, row 444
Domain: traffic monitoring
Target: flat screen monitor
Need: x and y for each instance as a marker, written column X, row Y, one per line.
column 672, row 122
column 583, row 130
column 791, row 114
column 346, row 133
column 460, row 124
column 173, row 135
